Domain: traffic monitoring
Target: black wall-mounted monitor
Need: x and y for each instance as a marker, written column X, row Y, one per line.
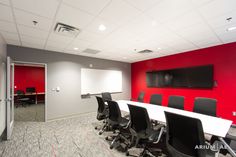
column 192, row 77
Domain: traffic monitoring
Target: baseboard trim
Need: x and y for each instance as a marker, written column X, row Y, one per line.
column 3, row 137
column 70, row 116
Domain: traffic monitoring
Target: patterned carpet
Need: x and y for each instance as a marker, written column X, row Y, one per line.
column 74, row 137
column 32, row 112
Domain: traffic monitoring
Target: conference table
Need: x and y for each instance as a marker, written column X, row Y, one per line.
column 211, row 125
column 36, row 95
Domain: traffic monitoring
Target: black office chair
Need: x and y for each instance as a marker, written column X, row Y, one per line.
column 21, row 99
column 176, row 102
column 117, row 122
column 205, row 106
column 30, row 90
column 106, row 96
column 102, row 114
column 140, row 97
column 184, row 135
column 156, row 99
column 141, row 129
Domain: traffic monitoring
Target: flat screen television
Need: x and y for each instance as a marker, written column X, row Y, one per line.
column 191, row 77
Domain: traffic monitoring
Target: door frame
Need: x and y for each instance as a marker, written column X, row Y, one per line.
column 46, row 93
column 10, row 114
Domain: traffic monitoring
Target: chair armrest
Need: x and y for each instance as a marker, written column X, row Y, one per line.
column 160, row 134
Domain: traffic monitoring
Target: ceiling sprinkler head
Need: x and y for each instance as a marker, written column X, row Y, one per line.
column 35, row 22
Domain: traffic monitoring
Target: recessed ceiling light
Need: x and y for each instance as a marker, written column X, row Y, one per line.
column 76, row 48
column 154, row 23
column 102, row 27
column 159, row 48
column 231, row 28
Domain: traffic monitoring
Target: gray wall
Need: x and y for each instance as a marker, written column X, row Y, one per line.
column 2, row 85
column 63, row 70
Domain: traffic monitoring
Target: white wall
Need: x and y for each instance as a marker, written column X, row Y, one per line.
column 64, row 71
column 2, row 85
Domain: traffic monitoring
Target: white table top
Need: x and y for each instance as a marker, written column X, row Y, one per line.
column 211, row 125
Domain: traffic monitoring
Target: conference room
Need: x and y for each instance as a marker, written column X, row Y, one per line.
column 116, row 78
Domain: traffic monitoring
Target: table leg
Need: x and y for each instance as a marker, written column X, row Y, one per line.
column 231, row 151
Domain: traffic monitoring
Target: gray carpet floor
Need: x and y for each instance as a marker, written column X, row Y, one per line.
column 32, row 112
column 73, row 137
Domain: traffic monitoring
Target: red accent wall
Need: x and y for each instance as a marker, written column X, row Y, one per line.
column 26, row 76
column 223, row 58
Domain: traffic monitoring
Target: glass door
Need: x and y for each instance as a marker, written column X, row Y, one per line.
column 10, row 97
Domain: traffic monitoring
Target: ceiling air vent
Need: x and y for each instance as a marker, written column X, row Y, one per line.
column 66, row 30
column 91, row 51
column 145, row 51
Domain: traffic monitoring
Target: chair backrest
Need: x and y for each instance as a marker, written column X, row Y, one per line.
column 20, row 92
column 205, row 106
column 156, row 99
column 176, row 102
column 101, row 104
column 114, row 111
column 30, row 90
column 106, row 96
column 183, row 135
column 139, row 119
column 141, row 97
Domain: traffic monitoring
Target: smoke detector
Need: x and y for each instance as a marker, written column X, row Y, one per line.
column 145, row 51
column 66, row 30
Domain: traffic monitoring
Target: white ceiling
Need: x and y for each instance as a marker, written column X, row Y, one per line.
column 164, row 26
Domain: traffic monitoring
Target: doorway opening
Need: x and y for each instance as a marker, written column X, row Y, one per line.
column 29, row 92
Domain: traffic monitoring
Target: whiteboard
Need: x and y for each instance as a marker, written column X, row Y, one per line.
column 95, row 81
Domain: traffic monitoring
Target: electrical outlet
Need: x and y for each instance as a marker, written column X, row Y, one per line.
column 234, row 113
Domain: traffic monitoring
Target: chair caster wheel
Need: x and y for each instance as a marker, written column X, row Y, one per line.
column 106, row 138
column 111, row 147
column 99, row 133
column 127, row 153
column 96, row 128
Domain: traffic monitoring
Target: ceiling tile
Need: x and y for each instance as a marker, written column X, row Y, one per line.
column 10, row 36
column 32, row 40
column 27, row 19
column 33, row 32
column 7, row 26
column 80, row 44
column 58, row 45
column 55, row 49
column 221, row 20
column 5, row 2
column 73, row 17
column 187, row 20
column 198, row 3
column 226, row 36
column 168, row 10
column 119, row 12
column 89, row 36
column 32, row 45
column 217, row 7
column 94, row 27
column 6, row 13
column 46, row 8
column 13, row 42
column 90, row 6
column 143, row 4
column 60, row 39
